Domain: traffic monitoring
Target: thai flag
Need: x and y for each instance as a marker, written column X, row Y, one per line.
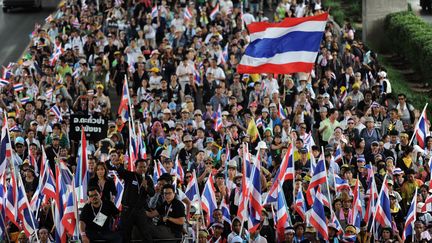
column 29, row 223
column 214, row 12
column 422, row 129
column 308, row 140
column 338, row 154
column 57, row 53
column 133, row 148
column 179, row 169
column 154, row 11
column 25, row 100
column 226, row 216
column 218, row 119
column 281, row 112
column 141, row 144
column 4, row 82
column 81, row 174
column 343, row 95
column 48, row 93
column 56, row 112
column 242, row 208
column 224, row 57
column 76, row 23
column 259, row 122
column 285, row 172
column 12, row 199
column 18, row 87
column 295, row 43
column 300, row 205
column 281, row 214
column 382, row 213
column 340, row 184
column 187, row 15
column 319, row 177
column 208, row 199
column 5, row 148
column 192, row 191
column 255, row 200
column 346, row 237
column 410, row 219
column 156, row 172
column 46, row 186
column 6, row 71
column 318, row 219
column 69, row 215
column 335, row 221
column 356, row 215
column 123, row 110
column 372, row 193
column 120, row 189
column 60, row 199
column 197, row 76
column 2, row 205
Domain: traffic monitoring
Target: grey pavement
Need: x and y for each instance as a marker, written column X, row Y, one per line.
column 415, row 4
column 16, row 26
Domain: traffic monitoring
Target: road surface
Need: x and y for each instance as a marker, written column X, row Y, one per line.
column 15, row 27
column 415, row 5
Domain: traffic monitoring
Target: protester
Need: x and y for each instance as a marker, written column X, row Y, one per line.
column 176, row 115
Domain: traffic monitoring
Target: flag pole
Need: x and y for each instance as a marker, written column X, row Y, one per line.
column 416, row 127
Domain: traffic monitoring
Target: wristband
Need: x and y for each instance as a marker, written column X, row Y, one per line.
column 83, row 234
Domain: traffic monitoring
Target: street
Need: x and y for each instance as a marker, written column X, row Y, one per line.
column 415, row 4
column 15, row 27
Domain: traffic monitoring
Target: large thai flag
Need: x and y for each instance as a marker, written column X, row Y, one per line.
column 319, row 177
column 300, row 205
column 294, row 45
column 281, row 214
column 356, row 215
column 81, row 175
column 382, row 213
column 46, row 186
column 141, row 144
column 422, row 130
column 208, row 199
column 5, row 148
column 192, row 191
column 218, row 119
column 214, row 12
column 255, row 199
column 25, row 214
column 410, row 219
column 318, row 219
column 123, row 110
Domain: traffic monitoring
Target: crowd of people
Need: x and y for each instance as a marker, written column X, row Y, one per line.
column 193, row 110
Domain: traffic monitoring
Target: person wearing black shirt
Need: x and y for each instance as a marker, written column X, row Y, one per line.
column 105, row 183
column 96, row 218
column 137, row 190
column 172, row 214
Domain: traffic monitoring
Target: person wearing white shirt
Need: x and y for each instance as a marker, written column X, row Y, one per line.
column 270, row 84
column 183, row 71
column 215, row 73
column 248, row 17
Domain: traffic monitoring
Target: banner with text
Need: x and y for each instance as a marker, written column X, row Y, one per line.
column 94, row 128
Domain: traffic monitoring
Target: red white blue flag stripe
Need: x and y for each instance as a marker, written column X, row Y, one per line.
column 422, row 130
column 410, row 219
column 294, row 45
column 208, row 199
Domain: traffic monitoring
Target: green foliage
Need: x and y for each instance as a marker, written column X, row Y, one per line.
column 412, row 37
column 344, row 10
